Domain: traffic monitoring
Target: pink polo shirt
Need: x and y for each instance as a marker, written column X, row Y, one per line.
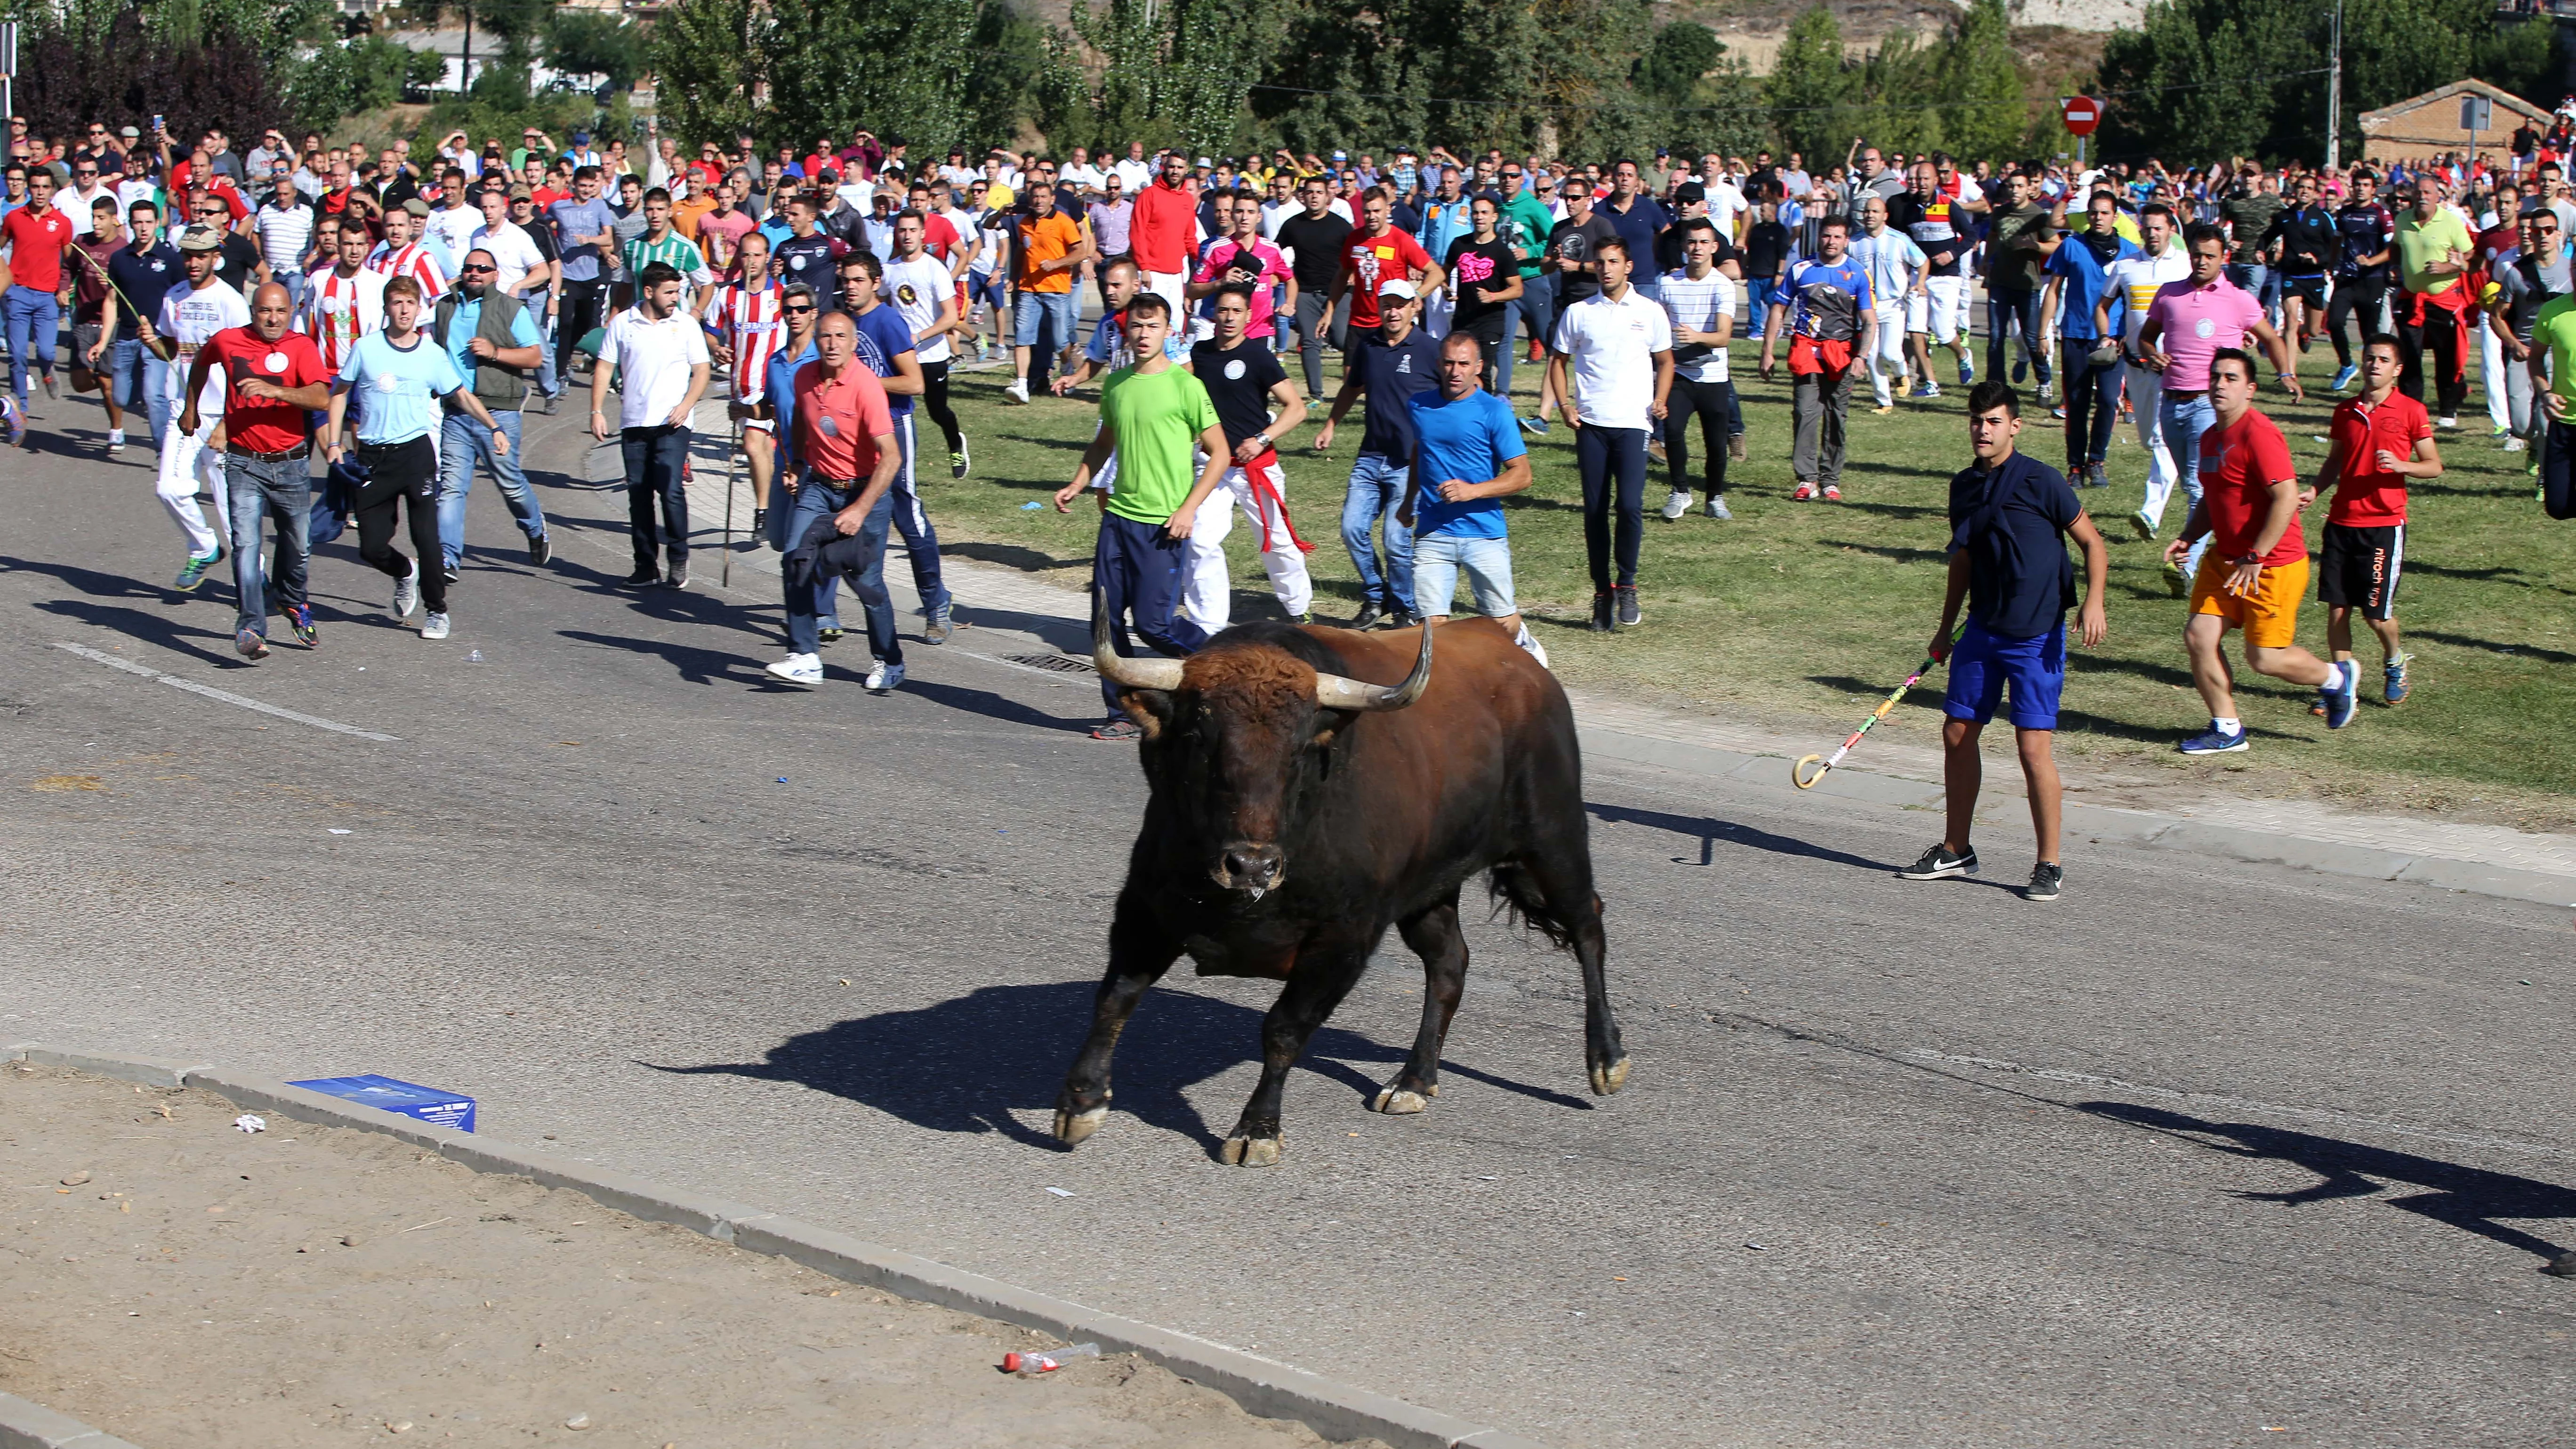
column 2197, row 322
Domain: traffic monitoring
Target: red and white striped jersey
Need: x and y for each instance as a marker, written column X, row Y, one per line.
column 339, row 310
column 749, row 322
column 415, row 261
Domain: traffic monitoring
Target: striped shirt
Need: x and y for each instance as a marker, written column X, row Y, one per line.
column 1697, row 305
column 681, row 253
column 2137, row 279
column 339, row 310
column 752, row 326
column 414, row 260
column 285, row 235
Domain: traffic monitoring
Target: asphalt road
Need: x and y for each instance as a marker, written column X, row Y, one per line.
column 2201, row 1154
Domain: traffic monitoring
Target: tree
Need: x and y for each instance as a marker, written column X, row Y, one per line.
column 707, row 69
column 1681, row 53
column 1810, row 88
column 123, row 66
column 1008, row 56
column 834, row 65
column 1983, row 110
column 586, row 42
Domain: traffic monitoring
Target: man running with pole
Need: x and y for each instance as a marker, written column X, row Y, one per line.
column 2010, row 517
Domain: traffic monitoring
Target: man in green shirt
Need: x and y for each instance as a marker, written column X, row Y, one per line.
column 2553, row 378
column 1524, row 226
column 662, row 243
column 1151, row 416
column 2252, row 205
column 2432, row 309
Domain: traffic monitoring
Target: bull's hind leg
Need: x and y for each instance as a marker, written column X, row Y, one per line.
column 1139, row 954
column 1435, row 937
column 1553, row 888
column 1317, row 984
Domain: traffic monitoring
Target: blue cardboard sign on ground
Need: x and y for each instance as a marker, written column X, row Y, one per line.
column 428, row 1104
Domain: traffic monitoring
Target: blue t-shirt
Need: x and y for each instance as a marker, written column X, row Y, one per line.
column 1470, row 439
column 2013, row 523
column 143, row 277
column 1827, row 298
column 1390, row 375
column 883, row 336
column 469, row 317
column 2082, row 288
column 1638, row 227
column 778, row 389
column 401, row 385
column 574, row 217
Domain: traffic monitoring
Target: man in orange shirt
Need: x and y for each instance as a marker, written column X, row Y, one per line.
column 1052, row 248
column 1163, row 229
column 840, row 458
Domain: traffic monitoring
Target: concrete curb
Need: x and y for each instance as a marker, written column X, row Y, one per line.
column 33, row 1426
column 1262, row 1387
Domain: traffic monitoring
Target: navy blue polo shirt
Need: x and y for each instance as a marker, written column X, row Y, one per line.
column 143, row 275
column 1390, row 375
column 2013, row 524
column 1638, row 227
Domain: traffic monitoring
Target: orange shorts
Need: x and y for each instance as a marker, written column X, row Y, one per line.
column 2269, row 616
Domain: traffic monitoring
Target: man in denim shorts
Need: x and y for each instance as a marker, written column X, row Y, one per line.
column 1467, row 460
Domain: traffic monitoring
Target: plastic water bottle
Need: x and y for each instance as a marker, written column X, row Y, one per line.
column 1046, row 1361
column 473, row 656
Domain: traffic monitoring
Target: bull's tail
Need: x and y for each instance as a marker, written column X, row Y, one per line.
column 1512, row 890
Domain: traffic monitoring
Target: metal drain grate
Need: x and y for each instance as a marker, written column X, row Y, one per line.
column 1052, row 663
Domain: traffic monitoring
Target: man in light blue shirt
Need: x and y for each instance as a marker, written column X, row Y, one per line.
column 497, row 352
column 585, row 240
column 1896, row 268
column 2076, row 274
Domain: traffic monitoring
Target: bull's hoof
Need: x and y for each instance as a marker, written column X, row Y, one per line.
column 1609, row 1079
column 1073, row 1127
column 1249, row 1152
column 1398, row 1103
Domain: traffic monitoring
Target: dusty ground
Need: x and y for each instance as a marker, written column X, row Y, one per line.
column 199, row 1286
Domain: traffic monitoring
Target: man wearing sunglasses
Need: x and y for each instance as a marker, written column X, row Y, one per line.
column 492, row 338
column 238, row 263
column 88, row 188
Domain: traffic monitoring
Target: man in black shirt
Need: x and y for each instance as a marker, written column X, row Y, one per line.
column 1487, row 279
column 1244, row 380
column 2364, row 227
column 1313, row 239
column 2302, row 244
column 1766, row 255
column 241, row 260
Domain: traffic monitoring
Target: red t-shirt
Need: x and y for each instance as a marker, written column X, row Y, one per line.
column 290, row 361
column 36, row 247
column 938, row 235
column 2238, row 467
column 2368, row 496
column 1370, row 262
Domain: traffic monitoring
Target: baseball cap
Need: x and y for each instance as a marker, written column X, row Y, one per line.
column 416, row 207
column 201, row 238
column 581, row 138
column 1398, row 288
column 1338, row 155
column 129, row 132
column 521, row 193
column 1690, row 191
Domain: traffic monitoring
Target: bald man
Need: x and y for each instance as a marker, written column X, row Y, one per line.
column 273, row 383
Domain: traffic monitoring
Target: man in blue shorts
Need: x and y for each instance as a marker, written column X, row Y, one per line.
column 2010, row 517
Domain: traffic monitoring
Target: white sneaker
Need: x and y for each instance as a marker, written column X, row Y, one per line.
column 407, row 592
column 885, row 678
column 1675, row 505
column 1717, row 509
column 2515, row 445
column 805, row 669
column 434, row 627
column 1536, row 650
column 1017, row 392
column 115, row 439
column 2446, row 422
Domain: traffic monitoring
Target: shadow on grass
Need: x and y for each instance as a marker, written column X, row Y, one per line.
column 2512, row 651
column 1011, row 556
column 1900, row 555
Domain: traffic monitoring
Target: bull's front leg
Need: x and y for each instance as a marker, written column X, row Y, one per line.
column 1323, row 975
column 1140, row 951
column 1435, row 937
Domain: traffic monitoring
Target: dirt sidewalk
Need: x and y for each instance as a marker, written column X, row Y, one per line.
column 180, row 1283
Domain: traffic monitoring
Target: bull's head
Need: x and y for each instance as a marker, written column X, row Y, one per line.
column 1239, row 731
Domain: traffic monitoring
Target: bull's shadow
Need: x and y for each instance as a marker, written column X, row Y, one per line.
column 2468, row 1198
column 965, row 1064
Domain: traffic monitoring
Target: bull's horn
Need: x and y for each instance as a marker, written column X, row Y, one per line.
column 1332, row 691
column 1164, row 674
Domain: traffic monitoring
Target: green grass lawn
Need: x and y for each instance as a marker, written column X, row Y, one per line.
column 1804, row 613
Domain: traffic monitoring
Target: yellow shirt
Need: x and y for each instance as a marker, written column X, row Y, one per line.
column 2422, row 243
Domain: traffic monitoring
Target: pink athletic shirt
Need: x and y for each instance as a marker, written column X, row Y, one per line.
column 2197, row 322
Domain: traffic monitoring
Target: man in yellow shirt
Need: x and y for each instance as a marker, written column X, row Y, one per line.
column 2432, row 309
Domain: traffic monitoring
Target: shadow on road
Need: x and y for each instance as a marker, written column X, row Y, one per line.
column 2468, row 1198
column 1708, row 831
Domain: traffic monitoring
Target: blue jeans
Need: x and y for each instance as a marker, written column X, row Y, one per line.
column 920, row 540
column 141, row 382
column 816, row 502
column 1535, row 310
column 2182, row 420
column 1034, row 307
column 2004, row 310
column 1139, row 571
column 463, row 442
column 260, row 490
column 1377, row 489
column 545, row 379
column 1760, row 293
column 35, row 322
column 653, row 457
column 782, row 511
column 1438, row 560
column 293, row 279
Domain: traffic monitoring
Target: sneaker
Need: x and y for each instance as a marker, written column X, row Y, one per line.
column 678, row 575
column 1536, row 427
column 2317, row 706
column 2098, row 475
column 1676, row 504
column 2212, row 742
column 1832, row 493
column 2143, row 526
column 1625, row 596
column 193, row 572
column 434, row 626
column 2392, row 680
column 2177, row 583
column 541, row 551
column 2047, row 392
column 49, row 386
column 1536, row 650
column 959, row 461
column 2343, row 377
column 407, row 592
column 2499, row 431
column 885, row 678
column 1939, row 864
column 644, row 577
column 2452, row 423
column 2046, row 881
column 1367, row 616
column 1716, row 508
column 1925, row 391
column 2057, row 414
column 2343, row 697
column 760, row 523
column 1735, row 447
column 299, row 617
column 1967, row 373
column 451, row 575
column 940, row 627
column 1883, row 409
column 1604, row 612
column 828, row 634
column 1118, row 731
column 16, row 418
column 1655, row 449
column 2515, row 445
column 116, row 440
column 249, row 643
column 1805, row 491
column 804, row 669
column 1017, row 392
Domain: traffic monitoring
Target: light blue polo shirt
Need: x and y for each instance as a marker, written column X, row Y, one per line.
column 401, row 385
column 469, row 317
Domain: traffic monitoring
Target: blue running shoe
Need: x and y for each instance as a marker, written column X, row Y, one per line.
column 2343, row 377
column 193, row 572
column 2211, row 742
column 2393, row 680
column 2342, row 693
column 1967, row 373
column 1535, row 427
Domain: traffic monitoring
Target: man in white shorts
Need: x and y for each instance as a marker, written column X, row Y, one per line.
column 1243, row 379
column 189, row 316
column 2137, row 280
column 1468, row 458
column 1897, row 270
column 1939, row 312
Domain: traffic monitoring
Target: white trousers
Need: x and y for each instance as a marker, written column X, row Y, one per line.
column 2146, row 389
column 1887, row 351
column 1208, row 590
column 2492, row 363
column 187, row 464
column 1941, row 313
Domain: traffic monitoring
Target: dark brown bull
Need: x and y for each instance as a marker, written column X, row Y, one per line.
column 1298, row 810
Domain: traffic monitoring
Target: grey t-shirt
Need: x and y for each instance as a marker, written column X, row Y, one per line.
column 2522, row 301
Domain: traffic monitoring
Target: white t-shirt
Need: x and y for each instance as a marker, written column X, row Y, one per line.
column 512, row 251
column 189, row 317
column 1134, row 175
column 1697, row 305
column 655, row 359
column 1726, row 206
column 1610, row 347
column 916, row 288
column 2138, row 278
column 1083, row 178
column 454, row 226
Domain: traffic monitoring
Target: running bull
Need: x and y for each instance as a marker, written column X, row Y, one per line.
column 1298, row 810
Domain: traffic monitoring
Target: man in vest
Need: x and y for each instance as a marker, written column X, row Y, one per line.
column 495, row 344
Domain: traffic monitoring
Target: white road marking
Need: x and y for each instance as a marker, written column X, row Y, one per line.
column 225, row 695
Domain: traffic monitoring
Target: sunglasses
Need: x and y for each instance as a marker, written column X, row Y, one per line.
column 798, row 311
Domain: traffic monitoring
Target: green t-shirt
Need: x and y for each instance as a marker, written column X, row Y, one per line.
column 2251, row 215
column 1525, row 224
column 1158, row 418
column 2555, row 329
column 2419, row 244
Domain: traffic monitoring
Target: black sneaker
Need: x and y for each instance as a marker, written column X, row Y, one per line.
column 1367, row 615
column 678, row 577
column 451, row 575
column 1939, row 864
column 644, row 577
column 541, row 552
column 1604, row 612
column 828, row 634
column 2046, row 881
column 760, row 523
column 1626, row 598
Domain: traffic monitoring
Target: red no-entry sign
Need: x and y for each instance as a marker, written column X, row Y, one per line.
column 2082, row 114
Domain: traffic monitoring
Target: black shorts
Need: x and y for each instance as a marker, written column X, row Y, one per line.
column 2361, row 566
column 2311, row 290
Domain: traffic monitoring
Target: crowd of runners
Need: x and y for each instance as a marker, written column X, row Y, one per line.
column 256, row 309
